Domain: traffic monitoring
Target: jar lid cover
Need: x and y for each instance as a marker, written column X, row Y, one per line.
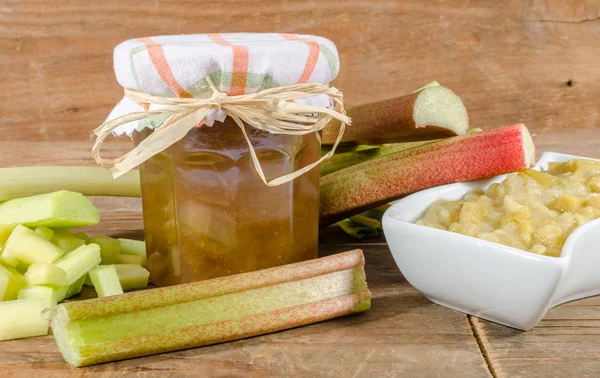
column 238, row 63
column 273, row 82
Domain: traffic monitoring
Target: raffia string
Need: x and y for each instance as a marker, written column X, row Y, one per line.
column 270, row 110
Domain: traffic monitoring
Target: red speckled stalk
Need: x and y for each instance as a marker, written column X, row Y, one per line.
column 212, row 311
column 469, row 157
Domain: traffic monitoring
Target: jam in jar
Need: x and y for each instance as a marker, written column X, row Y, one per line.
column 207, row 213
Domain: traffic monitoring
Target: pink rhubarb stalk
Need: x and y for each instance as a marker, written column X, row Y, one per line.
column 468, row 157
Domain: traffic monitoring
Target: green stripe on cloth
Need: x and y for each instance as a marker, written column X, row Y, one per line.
column 331, row 59
column 219, row 78
column 134, row 51
column 260, row 80
column 151, row 122
column 223, row 79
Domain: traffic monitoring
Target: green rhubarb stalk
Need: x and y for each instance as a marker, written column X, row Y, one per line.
column 105, row 281
column 22, row 318
column 343, row 160
column 45, row 274
column 366, row 224
column 89, row 181
column 77, row 263
column 45, row 293
column 109, row 248
column 54, row 210
column 366, row 221
column 356, row 230
column 212, row 311
column 135, row 248
column 132, row 276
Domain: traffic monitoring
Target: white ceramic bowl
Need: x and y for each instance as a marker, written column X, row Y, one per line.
column 485, row 279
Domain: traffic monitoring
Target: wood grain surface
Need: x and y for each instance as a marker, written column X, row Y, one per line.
column 566, row 343
column 511, row 61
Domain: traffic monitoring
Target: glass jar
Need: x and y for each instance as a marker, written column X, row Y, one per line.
column 208, row 214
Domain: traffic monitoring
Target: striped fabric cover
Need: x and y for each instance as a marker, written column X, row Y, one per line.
column 238, row 63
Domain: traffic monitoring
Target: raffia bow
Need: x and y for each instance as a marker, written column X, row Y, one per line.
column 270, row 110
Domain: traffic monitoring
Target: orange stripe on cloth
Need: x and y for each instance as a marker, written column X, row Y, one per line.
column 313, row 56
column 157, row 57
column 239, row 76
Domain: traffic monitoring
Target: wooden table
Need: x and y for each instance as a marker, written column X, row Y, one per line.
column 403, row 334
column 511, row 61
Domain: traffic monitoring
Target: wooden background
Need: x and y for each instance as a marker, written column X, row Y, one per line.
column 536, row 62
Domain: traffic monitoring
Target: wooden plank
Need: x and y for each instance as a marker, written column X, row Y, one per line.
column 512, row 61
column 566, row 343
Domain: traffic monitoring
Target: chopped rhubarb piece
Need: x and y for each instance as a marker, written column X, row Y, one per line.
column 77, row 263
column 45, row 233
column 131, row 259
column 67, row 243
column 28, row 247
column 109, row 249
column 5, row 231
column 105, row 281
column 71, row 290
column 132, row 276
column 45, row 293
column 134, row 247
column 45, row 274
column 83, row 236
column 55, row 210
column 11, row 282
column 22, row 318
column 88, row 281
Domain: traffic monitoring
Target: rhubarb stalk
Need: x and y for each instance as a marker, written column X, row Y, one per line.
column 431, row 113
column 90, row 181
column 22, row 318
column 212, row 311
column 359, row 187
column 132, row 276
